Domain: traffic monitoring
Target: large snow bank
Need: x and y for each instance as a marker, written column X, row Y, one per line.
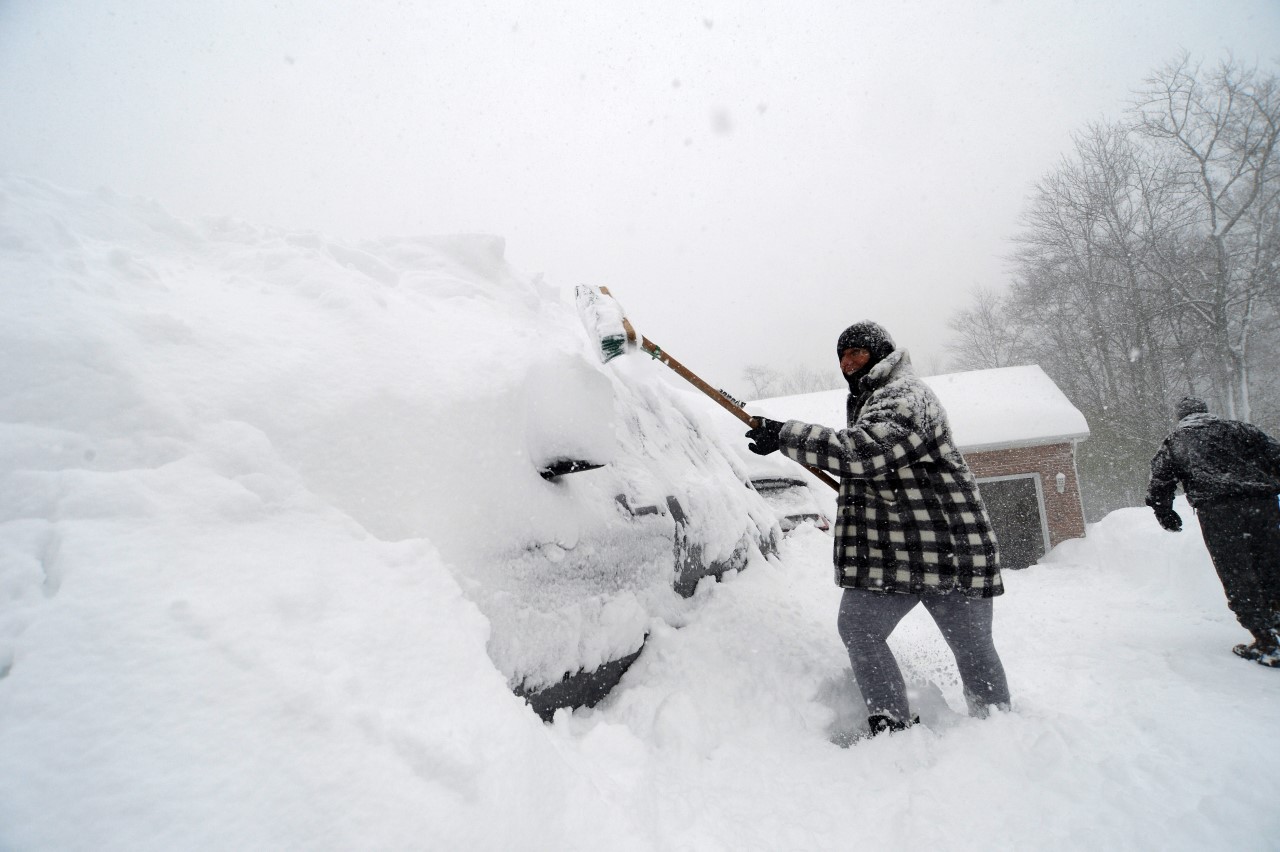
column 198, row 633
column 415, row 386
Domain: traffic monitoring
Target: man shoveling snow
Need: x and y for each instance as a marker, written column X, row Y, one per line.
column 911, row 526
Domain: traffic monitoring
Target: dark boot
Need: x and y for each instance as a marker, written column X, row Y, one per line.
column 876, row 724
column 879, row 724
column 1263, row 650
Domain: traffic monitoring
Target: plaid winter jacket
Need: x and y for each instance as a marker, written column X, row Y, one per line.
column 909, row 517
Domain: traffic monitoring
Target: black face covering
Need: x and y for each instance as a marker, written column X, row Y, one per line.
column 869, row 336
column 855, row 378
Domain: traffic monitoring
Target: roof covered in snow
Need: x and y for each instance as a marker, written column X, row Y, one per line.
column 988, row 409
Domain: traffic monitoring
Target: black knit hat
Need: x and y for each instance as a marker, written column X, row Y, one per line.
column 866, row 335
column 1189, row 405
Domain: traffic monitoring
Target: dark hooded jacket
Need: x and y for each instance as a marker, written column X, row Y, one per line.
column 1215, row 460
column 909, row 518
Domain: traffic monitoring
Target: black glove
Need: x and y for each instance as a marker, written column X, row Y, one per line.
column 1169, row 519
column 765, row 436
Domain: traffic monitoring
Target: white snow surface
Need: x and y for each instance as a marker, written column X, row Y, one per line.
column 988, row 409
column 245, row 473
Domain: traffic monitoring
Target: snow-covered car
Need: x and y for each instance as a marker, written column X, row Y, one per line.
column 575, row 501
column 653, row 504
column 793, row 502
column 794, row 495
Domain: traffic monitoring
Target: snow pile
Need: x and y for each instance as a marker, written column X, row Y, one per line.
column 273, row 546
column 416, row 386
column 197, row 649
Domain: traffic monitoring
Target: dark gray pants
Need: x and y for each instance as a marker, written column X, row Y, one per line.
column 866, row 620
column 1243, row 538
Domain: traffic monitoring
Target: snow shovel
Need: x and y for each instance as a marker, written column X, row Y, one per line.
column 603, row 317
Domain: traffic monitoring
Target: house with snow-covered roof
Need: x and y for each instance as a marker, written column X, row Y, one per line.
column 1018, row 432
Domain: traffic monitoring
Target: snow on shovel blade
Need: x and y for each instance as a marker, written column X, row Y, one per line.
column 603, row 318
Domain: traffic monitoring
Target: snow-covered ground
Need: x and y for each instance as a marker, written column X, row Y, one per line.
column 217, row 633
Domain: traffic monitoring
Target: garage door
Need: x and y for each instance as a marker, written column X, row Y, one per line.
column 1017, row 514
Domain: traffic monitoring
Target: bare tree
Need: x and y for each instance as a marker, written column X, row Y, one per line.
column 1223, row 129
column 986, row 336
column 760, row 380
column 765, row 382
column 1147, row 268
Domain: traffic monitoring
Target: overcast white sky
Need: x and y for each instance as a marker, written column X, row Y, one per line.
column 748, row 177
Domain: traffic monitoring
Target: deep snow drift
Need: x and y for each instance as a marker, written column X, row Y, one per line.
column 245, row 473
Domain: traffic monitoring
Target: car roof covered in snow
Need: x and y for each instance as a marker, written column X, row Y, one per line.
column 989, row 409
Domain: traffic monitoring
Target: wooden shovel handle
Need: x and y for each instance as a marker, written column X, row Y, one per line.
column 688, row 375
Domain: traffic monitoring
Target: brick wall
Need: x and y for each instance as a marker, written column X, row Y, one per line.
column 1064, row 511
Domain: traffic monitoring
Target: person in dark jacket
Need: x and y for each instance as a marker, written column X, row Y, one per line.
column 1230, row 472
column 911, row 527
